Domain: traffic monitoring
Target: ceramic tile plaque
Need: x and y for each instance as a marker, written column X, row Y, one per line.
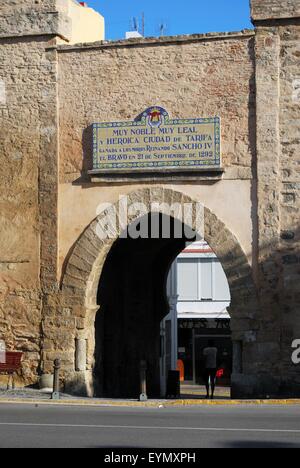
column 154, row 142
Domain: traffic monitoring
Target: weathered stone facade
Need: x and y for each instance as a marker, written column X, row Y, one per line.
column 273, row 9
column 50, row 257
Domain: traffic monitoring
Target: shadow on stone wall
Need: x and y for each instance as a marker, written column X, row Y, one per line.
column 87, row 148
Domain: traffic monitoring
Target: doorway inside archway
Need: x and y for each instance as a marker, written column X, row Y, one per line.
column 134, row 302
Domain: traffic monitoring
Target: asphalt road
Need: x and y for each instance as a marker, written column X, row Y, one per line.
column 113, row 427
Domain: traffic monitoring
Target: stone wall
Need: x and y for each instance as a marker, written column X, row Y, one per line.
column 274, row 9
column 24, row 72
column 189, row 76
column 290, row 192
column 28, row 148
column 268, row 195
column 278, row 139
column 21, row 17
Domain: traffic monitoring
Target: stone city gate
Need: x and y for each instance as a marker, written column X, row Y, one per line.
column 54, row 90
column 80, row 286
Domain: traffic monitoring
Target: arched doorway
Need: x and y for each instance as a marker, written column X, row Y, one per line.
column 133, row 301
column 87, row 263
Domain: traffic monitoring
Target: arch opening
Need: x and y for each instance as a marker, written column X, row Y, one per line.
column 132, row 296
column 89, row 267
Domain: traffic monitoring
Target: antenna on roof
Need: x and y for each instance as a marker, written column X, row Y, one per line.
column 162, row 29
column 135, row 30
column 143, row 24
column 135, row 24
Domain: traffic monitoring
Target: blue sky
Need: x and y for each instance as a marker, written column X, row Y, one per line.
column 178, row 16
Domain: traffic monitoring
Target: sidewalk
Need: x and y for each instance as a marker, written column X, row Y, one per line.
column 199, row 392
column 36, row 397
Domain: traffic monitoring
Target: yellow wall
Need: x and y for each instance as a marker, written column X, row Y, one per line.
column 87, row 24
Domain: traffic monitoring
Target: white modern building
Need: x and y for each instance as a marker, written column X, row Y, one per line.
column 199, row 296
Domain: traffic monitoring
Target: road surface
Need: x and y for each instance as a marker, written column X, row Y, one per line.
column 176, row 427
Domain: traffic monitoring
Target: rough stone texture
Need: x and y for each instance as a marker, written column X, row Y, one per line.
column 25, row 70
column 203, row 76
column 268, row 161
column 290, row 193
column 50, row 95
column 274, row 9
column 30, row 18
column 28, row 135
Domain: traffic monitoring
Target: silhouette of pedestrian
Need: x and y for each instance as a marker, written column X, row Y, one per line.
column 210, row 354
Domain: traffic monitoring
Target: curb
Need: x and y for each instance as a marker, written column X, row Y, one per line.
column 150, row 404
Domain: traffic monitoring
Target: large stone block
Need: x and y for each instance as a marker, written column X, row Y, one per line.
column 30, row 17
column 77, row 383
column 274, row 9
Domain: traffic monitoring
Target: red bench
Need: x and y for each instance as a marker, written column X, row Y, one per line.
column 11, row 365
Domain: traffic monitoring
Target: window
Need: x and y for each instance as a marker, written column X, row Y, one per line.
column 206, row 279
column 187, row 279
column 221, row 287
column 201, row 279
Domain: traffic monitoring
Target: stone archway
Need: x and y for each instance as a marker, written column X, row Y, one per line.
column 83, row 271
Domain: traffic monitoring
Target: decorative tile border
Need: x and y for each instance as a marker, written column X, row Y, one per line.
column 162, row 121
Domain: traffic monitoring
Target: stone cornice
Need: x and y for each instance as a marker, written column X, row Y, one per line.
column 35, row 23
column 159, row 41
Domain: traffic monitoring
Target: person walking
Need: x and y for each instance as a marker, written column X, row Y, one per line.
column 210, row 355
